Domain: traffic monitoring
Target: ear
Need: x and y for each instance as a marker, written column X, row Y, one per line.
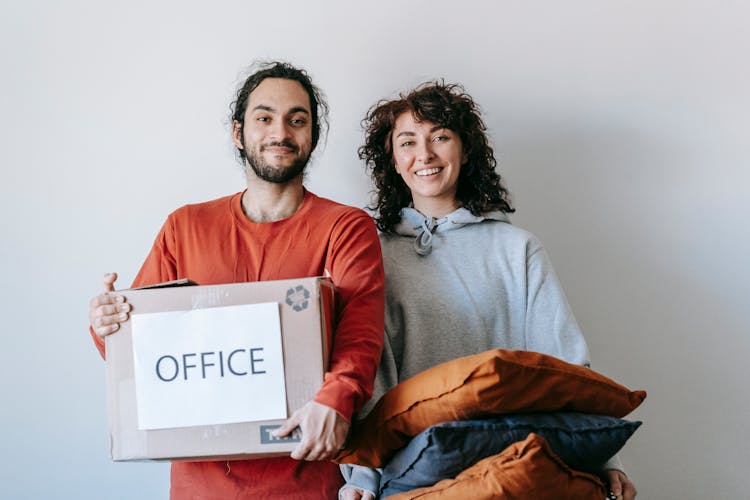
column 237, row 134
column 464, row 157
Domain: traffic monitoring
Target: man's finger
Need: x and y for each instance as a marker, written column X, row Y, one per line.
column 110, row 319
column 287, row 427
column 115, row 309
column 319, row 452
column 103, row 331
column 106, row 298
column 109, row 282
column 106, row 309
column 302, row 450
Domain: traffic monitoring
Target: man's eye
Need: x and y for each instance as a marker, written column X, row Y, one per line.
column 297, row 121
column 263, row 119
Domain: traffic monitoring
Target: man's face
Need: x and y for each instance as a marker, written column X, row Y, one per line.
column 277, row 134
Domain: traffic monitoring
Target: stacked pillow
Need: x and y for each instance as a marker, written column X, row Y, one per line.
column 492, row 383
column 583, row 442
column 526, row 469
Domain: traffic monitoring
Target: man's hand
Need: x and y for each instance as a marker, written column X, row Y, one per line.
column 620, row 485
column 108, row 310
column 323, row 432
column 355, row 494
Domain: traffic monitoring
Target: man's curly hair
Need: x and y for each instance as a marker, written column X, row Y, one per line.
column 480, row 188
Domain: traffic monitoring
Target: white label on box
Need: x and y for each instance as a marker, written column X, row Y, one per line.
column 209, row 366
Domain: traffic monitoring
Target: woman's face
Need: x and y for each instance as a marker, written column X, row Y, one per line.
column 428, row 158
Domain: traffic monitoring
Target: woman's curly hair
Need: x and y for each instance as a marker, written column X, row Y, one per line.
column 480, row 189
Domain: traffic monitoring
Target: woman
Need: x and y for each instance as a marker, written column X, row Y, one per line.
column 460, row 279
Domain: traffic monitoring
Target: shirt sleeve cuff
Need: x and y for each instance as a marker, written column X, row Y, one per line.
column 614, row 463
column 337, row 395
column 360, row 478
column 98, row 342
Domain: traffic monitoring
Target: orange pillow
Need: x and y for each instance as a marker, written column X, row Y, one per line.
column 526, row 469
column 490, row 383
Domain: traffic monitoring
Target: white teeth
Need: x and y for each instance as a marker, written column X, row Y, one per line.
column 429, row 171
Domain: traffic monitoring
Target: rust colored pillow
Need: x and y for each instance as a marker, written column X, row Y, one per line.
column 490, row 383
column 526, row 469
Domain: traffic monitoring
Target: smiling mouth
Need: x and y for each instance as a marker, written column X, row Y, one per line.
column 429, row 171
column 278, row 148
column 279, row 151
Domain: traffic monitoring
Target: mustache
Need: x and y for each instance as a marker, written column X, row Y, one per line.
column 276, row 144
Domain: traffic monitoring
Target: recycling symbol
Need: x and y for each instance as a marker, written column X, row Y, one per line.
column 298, row 298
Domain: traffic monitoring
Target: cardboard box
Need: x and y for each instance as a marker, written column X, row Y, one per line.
column 306, row 312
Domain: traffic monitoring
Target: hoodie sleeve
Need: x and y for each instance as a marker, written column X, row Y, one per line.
column 551, row 327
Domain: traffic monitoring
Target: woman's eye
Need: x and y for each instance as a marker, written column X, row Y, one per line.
column 441, row 138
column 407, row 143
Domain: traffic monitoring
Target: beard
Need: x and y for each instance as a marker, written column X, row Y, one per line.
column 270, row 173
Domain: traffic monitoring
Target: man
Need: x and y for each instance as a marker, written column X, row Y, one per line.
column 275, row 229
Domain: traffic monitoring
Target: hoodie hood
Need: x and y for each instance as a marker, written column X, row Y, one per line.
column 422, row 228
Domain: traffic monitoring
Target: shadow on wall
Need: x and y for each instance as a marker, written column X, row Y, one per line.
column 643, row 270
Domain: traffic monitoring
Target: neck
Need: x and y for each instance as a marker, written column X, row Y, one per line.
column 269, row 202
column 436, row 208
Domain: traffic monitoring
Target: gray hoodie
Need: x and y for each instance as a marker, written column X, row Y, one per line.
column 464, row 284
column 461, row 285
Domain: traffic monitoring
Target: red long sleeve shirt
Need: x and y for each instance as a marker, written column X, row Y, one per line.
column 214, row 243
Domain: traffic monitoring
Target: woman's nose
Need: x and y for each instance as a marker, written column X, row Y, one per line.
column 425, row 153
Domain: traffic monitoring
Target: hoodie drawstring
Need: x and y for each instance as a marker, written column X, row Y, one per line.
column 423, row 243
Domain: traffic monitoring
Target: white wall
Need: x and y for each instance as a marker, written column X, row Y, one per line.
column 621, row 128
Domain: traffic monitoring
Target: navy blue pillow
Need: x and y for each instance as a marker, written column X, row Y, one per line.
column 584, row 442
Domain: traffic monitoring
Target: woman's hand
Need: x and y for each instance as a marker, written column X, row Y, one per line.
column 620, row 485
column 355, row 494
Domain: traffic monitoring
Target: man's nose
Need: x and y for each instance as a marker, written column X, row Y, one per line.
column 279, row 130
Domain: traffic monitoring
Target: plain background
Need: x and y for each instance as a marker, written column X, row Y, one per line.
column 621, row 129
